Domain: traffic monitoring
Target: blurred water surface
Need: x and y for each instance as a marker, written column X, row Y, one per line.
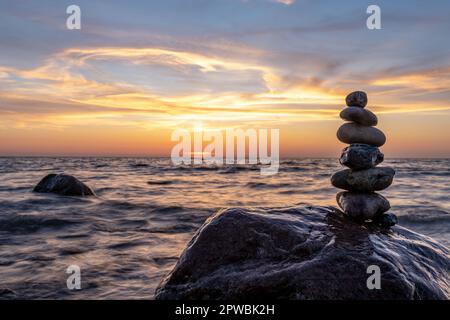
column 126, row 239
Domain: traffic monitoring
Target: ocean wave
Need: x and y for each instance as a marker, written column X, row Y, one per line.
column 191, row 168
column 125, row 205
column 168, row 209
column 128, row 244
column 434, row 173
column 220, row 169
column 31, row 223
column 139, row 165
column 160, row 182
column 133, row 223
column 178, row 228
column 161, row 261
column 70, row 251
column 264, row 185
column 425, row 216
column 288, row 192
column 232, row 169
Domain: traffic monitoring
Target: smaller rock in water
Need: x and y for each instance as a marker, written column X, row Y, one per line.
column 355, row 133
column 369, row 180
column 386, row 220
column 361, row 156
column 362, row 206
column 360, row 116
column 63, row 184
column 356, row 99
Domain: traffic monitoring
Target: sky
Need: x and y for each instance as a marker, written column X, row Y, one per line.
column 138, row 70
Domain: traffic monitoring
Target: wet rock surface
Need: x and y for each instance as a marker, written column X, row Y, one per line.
column 369, row 180
column 361, row 156
column 358, row 115
column 305, row 253
column 352, row 133
column 386, row 220
column 63, row 184
column 362, row 206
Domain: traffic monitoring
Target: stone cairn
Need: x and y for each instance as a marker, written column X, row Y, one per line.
column 363, row 178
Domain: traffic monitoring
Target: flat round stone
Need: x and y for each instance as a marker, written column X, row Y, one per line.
column 362, row 206
column 359, row 115
column 355, row 133
column 361, row 156
column 369, row 180
column 356, row 99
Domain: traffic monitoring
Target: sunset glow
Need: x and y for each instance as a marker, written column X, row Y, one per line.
column 120, row 86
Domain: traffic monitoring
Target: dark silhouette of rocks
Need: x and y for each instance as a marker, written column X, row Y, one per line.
column 356, row 99
column 362, row 157
column 359, row 115
column 63, row 184
column 356, row 133
column 362, row 206
column 368, row 180
column 304, row 253
column 386, row 219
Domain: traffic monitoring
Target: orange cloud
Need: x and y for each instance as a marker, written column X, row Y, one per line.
column 100, row 100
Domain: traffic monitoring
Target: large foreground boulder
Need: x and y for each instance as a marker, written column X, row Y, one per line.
column 305, row 253
column 63, row 184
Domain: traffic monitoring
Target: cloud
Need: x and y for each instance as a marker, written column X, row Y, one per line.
column 286, row 2
column 428, row 80
column 154, row 87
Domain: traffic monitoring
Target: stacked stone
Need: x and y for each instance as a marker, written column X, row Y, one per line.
column 363, row 178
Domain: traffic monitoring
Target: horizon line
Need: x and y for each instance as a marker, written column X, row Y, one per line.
column 168, row 157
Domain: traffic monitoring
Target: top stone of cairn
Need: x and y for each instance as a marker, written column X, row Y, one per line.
column 356, row 99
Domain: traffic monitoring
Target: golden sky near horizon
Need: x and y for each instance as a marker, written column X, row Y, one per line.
column 97, row 93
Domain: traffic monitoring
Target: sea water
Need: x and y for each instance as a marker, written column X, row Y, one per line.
column 146, row 210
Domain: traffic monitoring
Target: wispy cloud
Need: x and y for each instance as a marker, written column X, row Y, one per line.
column 63, row 77
column 286, row 2
column 80, row 82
